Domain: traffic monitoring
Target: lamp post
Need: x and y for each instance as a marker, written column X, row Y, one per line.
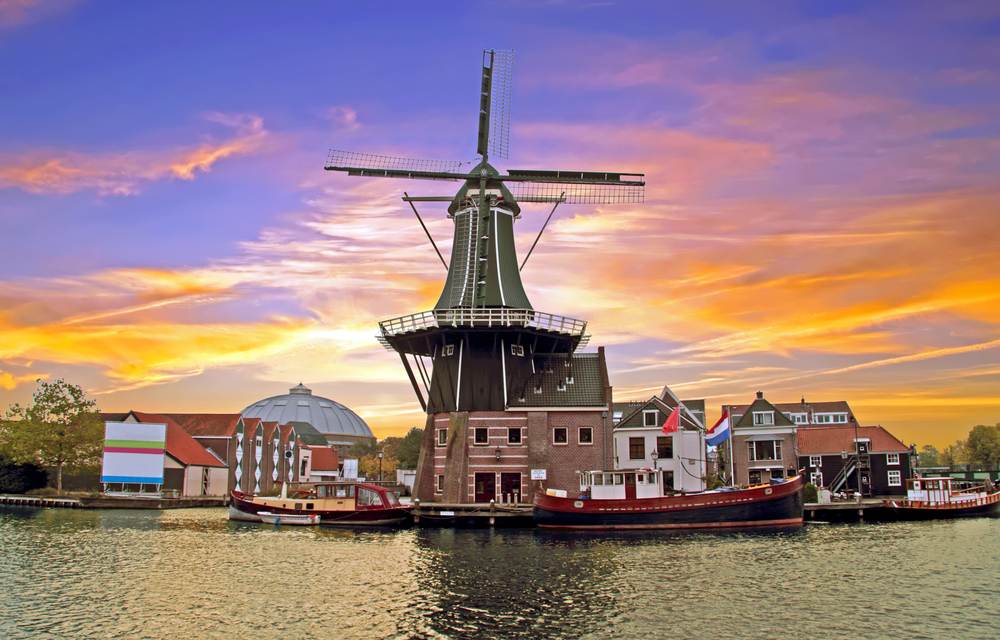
column 380, row 454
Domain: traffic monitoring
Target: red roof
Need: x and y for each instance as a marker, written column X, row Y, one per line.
column 833, row 440
column 324, row 459
column 181, row 446
column 221, row 425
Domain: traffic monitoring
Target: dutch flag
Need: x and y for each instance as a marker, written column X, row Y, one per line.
column 719, row 432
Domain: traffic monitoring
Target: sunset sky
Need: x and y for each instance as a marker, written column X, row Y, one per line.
column 822, row 215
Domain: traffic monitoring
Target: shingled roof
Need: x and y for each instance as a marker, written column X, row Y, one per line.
column 834, row 440
column 577, row 380
column 220, row 425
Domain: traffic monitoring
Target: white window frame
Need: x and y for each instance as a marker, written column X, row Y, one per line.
column 775, row 451
column 762, row 415
column 580, row 442
column 448, row 350
column 475, row 442
column 517, row 350
column 892, row 458
column 442, row 439
column 816, row 461
column 439, row 483
column 564, row 442
column 650, row 412
column 816, row 477
column 898, row 474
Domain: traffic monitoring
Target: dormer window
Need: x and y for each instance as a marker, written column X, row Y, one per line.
column 650, row 418
column 538, row 389
column 561, row 386
column 763, row 418
column 569, row 379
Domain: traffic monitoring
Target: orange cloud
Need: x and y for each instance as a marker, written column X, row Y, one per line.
column 124, row 173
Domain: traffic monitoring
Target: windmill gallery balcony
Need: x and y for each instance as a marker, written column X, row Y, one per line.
column 482, row 317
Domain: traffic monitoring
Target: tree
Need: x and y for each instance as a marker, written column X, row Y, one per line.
column 929, row 456
column 982, row 446
column 369, row 467
column 20, row 478
column 61, row 428
column 408, row 449
column 953, row 454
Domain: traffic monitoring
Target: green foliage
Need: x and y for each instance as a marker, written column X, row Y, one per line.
column 982, row 447
column 20, row 478
column 61, row 428
column 408, row 450
column 929, row 456
column 954, row 454
column 810, row 493
column 713, row 481
column 361, row 449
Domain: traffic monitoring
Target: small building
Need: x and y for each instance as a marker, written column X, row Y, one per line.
column 763, row 442
column 867, row 460
column 639, row 442
column 189, row 469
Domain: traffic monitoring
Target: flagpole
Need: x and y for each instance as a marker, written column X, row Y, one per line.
column 732, row 433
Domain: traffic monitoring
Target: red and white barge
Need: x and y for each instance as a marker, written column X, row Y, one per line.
column 933, row 498
column 334, row 503
column 635, row 499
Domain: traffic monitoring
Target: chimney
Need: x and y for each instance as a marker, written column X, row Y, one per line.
column 760, row 395
column 803, row 400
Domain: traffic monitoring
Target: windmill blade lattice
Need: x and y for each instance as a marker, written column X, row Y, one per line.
column 503, row 68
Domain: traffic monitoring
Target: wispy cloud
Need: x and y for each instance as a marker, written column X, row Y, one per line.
column 126, row 172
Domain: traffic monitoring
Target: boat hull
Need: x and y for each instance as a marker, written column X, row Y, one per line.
column 771, row 506
column 244, row 509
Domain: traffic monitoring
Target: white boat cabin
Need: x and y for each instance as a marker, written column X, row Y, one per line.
column 939, row 491
column 629, row 484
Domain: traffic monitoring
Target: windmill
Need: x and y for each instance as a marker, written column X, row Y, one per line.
column 476, row 349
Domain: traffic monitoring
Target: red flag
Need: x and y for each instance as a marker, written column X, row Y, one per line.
column 673, row 422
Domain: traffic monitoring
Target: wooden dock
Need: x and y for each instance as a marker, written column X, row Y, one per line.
column 842, row 510
column 112, row 502
column 479, row 514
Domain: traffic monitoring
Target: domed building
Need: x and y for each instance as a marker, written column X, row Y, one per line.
column 341, row 427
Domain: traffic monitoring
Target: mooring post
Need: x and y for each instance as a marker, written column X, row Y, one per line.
column 416, row 510
column 492, row 510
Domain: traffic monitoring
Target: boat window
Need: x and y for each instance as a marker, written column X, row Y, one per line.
column 392, row 497
column 640, row 478
column 619, row 478
column 598, row 479
column 310, row 505
column 320, row 491
column 298, row 505
column 368, row 498
column 345, row 491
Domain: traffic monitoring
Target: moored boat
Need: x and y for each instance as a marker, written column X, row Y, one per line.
column 338, row 503
column 634, row 499
column 300, row 519
column 933, row 498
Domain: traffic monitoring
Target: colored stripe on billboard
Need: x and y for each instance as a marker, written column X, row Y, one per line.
column 134, row 444
column 154, row 452
column 132, row 479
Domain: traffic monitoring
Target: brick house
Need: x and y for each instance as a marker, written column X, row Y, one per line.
column 556, row 424
column 763, row 442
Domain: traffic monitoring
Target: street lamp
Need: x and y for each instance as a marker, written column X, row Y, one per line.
column 380, row 454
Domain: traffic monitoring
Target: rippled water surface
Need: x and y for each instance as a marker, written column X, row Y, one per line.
column 191, row 573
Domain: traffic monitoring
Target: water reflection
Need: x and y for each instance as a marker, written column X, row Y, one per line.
column 192, row 573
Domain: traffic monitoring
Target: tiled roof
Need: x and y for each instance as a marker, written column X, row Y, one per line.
column 113, row 417
column 181, row 446
column 760, row 404
column 833, row 440
column 551, row 381
column 633, row 419
column 836, row 406
column 324, row 459
column 221, row 425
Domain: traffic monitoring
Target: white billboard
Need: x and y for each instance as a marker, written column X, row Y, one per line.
column 133, row 452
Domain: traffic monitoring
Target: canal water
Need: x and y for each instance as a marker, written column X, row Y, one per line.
column 193, row 574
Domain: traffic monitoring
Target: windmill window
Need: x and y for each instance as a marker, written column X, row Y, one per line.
column 514, row 435
column 481, row 436
column 517, row 350
column 560, row 435
column 448, row 350
column 440, row 484
column 442, row 437
column 585, row 435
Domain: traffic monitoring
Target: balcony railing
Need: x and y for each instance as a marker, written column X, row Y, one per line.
column 482, row 317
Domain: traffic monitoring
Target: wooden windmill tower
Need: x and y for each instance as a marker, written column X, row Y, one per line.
column 479, row 348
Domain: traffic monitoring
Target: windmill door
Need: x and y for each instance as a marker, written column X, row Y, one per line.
column 630, row 486
column 486, row 487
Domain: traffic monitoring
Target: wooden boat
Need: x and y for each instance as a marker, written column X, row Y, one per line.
column 341, row 503
column 301, row 519
column 634, row 499
column 932, row 498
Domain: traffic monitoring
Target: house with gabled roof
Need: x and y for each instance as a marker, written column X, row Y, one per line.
column 867, row 460
column 762, row 442
column 808, row 413
column 639, row 442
